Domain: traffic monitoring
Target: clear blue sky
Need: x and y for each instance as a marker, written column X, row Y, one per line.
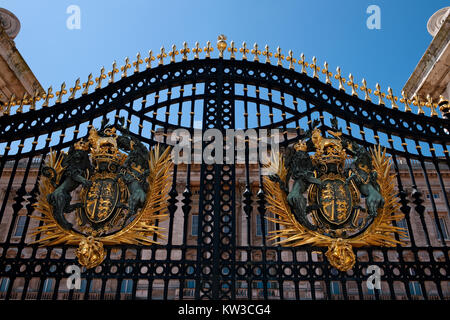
column 334, row 31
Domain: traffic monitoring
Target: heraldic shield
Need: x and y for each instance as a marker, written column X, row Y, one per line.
column 315, row 190
column 119, row 187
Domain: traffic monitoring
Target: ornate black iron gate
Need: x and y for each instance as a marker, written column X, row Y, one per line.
column 216, row 246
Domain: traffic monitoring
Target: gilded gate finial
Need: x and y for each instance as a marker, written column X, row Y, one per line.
column 36, row 97
column 125, row 67
column 221, row 44
column 379, row 94
column 11, row 103
column 99, row 79
column 418, row 104
column 303, row 63
column 173, row 53
column 326, row 73
column 47, row 97
column 339, row 78
column 196, row 50
column 149, row 59
column 315, row 68
column 112, row 72
column 255, row 52
column 137, row 62
column 161, row 56
column 208, row 49
column 405, row 101
column 185, row 51
column 87, row 84
column 432, row 106
column 22, row 102
column 60, row 93
column 366, row 90
column 244, row 50
column 267, row 53
column 291, row 60
column 232, row 49
column 392, row 98
column 74, row 90
column 351, row 83
column 279, row 56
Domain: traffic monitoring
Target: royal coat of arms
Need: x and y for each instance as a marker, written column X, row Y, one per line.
column 119, row 188
column 315, row 194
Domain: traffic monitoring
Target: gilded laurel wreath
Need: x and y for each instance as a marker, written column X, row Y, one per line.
column 340, row 254
column 140, row 231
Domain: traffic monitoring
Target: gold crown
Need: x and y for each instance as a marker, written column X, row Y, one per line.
column 328, row 150
column 82, row 145
column 104, row 149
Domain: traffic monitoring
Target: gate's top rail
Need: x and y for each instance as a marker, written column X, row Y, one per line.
column 415, row 104
column 417, row 120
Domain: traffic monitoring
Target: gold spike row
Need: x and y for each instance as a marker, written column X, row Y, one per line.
column 351, row 83
column 232, row 49
column 208, row 49
column 196, row 50
column 113, row 72
column 379, row 94
column 267, row 54
column 279, row 57
column 173, row 53
column 366, row 90
column 392, row 98
column 161, row 56
column 255, row 52
column 185, row 51
column 303, row 63
column 87, row 84
column 339, row 78
column 418, row 104
column 244, row 50
column 138, row 62
column 432, row 106
column 125, row 67
column 47, row 97
column 315, row 68
column 36, row 97
column 22, row 102
column 60, row 93
column 74, row 90
column 149, row 59
column 326, row 73
column 99, row 79
column 406, row 101
column 291, row 60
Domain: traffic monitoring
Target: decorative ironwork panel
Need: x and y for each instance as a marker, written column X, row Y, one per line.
column 217, row 242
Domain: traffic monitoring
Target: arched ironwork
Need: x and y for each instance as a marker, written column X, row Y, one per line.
column 227, row 255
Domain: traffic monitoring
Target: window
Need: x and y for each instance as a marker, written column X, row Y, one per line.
column 48, row 284
column 194, row 225
column 258, row 226
column 415, row 289
column 443, row 229
column 335, row 287
column 20, row 226
column 4, row 284
column 127, row 286
column 435, row 195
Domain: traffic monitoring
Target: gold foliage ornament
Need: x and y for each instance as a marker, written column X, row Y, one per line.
column 333, row 191
column 112, row 209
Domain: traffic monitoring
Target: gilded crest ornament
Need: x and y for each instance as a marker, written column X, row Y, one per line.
column 120, row 190
column 323, row 207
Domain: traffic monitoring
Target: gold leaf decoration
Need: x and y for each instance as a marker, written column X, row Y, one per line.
column 381, row 232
